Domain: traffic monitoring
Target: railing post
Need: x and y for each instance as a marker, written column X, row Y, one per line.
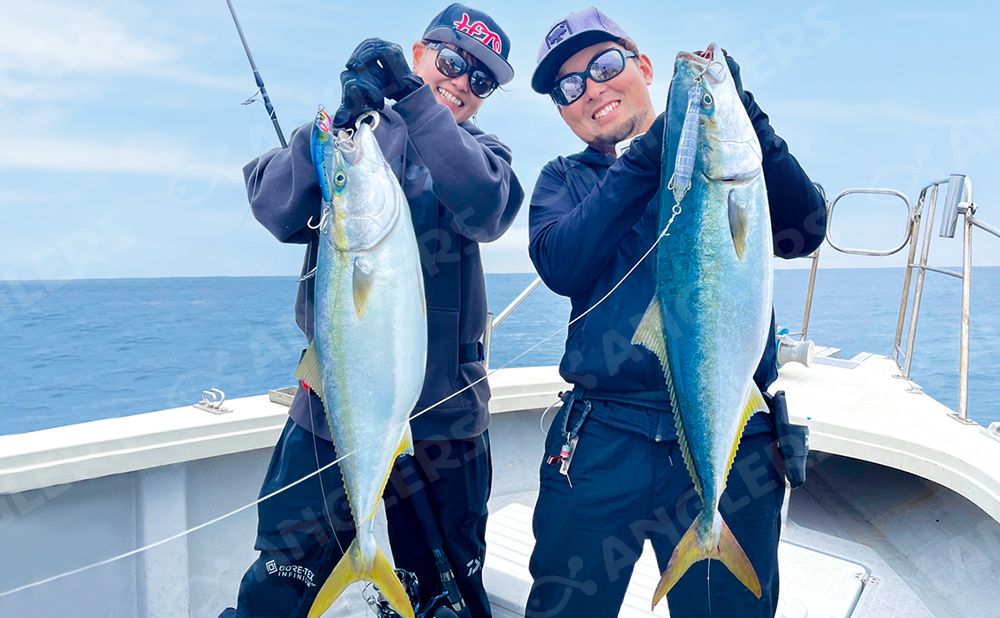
column 963, row 353
column 919, row 292
column 908, row 274
column 487, row 340
column 809, row 294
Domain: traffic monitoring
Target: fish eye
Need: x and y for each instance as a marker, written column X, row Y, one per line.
column 340, row 179
column 707, row 100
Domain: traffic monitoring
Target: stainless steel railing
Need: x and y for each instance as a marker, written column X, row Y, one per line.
column 493, row 323
column 958, row 203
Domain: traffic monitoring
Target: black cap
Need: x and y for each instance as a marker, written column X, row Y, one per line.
column 568, row 36
column 476, row 33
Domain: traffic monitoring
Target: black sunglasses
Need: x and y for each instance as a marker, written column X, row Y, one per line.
column 604, row 66
column 451, row 64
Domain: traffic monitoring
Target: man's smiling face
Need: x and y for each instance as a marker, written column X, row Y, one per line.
column 452, row 92
column 611, row 111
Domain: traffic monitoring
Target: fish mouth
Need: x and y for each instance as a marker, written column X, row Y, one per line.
column 703, row 58
column 737, row 178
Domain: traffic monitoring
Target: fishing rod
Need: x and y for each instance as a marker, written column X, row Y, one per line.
column 260, row 82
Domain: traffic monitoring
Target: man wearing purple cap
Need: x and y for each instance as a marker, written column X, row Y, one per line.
column 462, row 192
column 613, row 475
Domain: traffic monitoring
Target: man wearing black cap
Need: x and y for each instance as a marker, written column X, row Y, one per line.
column 461, row 191
column 613, row 476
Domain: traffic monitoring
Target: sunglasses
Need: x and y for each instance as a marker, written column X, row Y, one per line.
column 451, row 64
column 604, row 66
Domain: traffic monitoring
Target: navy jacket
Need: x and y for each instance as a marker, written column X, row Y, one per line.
column 593, row 216
column 462, row 191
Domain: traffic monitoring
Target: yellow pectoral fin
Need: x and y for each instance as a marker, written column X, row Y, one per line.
column 738, row 224
column 362, row 283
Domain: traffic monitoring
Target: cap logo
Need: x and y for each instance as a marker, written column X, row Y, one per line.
column 480, row 32
column 558, row 32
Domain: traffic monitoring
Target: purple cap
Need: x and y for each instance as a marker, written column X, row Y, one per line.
column 568, row 36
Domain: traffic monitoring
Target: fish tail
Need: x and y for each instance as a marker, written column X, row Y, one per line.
column 689, row 551
column 346, row 573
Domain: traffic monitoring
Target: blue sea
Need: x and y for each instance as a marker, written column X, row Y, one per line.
column 75, row 351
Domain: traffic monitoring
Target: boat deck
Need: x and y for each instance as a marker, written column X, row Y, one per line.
column 897, row 491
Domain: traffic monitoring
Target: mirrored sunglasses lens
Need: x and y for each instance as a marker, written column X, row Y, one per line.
column 607, row 66
column 571, row 88
column 481, row 84
column 450, row 63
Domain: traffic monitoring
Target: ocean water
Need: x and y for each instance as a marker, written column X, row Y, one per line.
column 75, row 351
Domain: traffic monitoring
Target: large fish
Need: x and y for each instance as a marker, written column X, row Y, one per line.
column 709, row 318
column 369, row 347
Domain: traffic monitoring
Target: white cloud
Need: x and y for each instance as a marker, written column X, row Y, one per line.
column 153, row 154
column 52, row 38
column 53, row 50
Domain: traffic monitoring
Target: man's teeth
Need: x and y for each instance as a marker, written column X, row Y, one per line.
column 449, row 97
column 604, row 111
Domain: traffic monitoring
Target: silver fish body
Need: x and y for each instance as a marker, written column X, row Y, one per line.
column 711, row 313
column 370, row 337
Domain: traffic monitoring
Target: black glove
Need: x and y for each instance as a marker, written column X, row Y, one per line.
column 650, row 144
column 362, row 91
column 400, row 81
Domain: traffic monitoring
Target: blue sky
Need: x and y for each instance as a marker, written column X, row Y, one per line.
column 123, row 136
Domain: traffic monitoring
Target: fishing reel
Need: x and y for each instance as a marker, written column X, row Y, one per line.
column 382, row 609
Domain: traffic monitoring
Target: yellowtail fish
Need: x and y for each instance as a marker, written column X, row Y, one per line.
column 711, row 313
column 369, row 348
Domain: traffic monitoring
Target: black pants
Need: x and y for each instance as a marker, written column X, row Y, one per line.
column 627, row 488
column 301, row 536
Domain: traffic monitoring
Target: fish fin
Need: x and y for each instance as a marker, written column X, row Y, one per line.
column 689, row 551
column 362, row 280
column 735, row 559
column 309, row 370
column 405, row 443
column 737, row 224
column 391, row 588
column 405, row 447
column 685, row 449
column 345, row 574
column 754, row 403
column 649, row 334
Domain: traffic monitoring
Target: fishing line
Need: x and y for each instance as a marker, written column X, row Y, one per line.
column 663, row 234
column 541, row 419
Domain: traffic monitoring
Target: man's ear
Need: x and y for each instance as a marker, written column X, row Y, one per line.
column 646, row 66
column 418, row 51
